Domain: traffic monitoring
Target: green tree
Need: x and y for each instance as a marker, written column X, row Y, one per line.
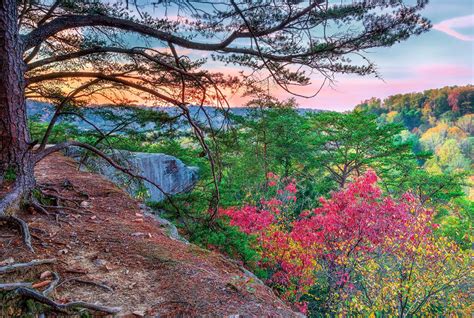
column 448, row 158
column 271, row 137
column 349, row 144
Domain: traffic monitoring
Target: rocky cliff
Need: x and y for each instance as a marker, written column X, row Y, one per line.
column 169, row 172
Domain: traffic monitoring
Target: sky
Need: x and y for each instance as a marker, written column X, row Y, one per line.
column 444, row 56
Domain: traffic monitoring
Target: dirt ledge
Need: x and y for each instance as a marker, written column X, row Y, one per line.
column 111, row 242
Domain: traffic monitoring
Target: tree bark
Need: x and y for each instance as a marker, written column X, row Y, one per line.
column 15, row 152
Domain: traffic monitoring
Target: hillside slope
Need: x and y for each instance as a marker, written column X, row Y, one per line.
column 107, row 240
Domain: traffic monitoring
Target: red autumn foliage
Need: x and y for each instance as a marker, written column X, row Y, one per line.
column 351, row 225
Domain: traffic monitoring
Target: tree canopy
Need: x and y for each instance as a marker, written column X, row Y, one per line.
column 68, row 52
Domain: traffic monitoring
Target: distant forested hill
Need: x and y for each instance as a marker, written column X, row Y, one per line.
column 424, row 110
column 105, row 116
column 440, row 121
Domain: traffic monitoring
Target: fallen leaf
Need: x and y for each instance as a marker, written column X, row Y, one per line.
column 41, row 284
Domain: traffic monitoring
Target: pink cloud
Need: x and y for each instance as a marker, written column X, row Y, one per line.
column 449, row 26
column 444, row 70
column 351, row 90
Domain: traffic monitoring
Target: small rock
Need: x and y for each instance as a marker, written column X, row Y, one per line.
column 100, row 262
column 85, row 204
column 63, row 251
column 138, row 234
column 45, row 275
column 7, row 261
column 139, row 313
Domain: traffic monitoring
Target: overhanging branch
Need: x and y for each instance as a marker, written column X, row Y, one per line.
column 76, row 21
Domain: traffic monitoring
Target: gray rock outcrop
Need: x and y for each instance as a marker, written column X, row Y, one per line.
column 170, row 173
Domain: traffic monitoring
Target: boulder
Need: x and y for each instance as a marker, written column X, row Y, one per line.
column 170, row 173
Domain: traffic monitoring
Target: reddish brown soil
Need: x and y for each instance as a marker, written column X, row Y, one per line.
column 110, row 243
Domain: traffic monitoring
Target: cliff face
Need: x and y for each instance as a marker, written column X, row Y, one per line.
column 106, row 239
column 169, row 172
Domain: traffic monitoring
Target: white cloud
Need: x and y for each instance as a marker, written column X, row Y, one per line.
column 449, row 26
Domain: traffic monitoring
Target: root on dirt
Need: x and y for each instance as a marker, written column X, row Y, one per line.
column 50, row 198
column 24, row 230
column 37, row 205
column 17, row 266
column 26, row 290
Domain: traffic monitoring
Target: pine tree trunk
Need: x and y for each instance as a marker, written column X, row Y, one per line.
column 15, row 154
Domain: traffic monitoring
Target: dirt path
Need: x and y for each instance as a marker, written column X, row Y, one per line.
column 112, row 243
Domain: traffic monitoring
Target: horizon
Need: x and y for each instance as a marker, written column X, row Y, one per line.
column 351, row 107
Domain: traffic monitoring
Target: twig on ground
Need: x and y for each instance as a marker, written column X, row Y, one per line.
column 88, row 282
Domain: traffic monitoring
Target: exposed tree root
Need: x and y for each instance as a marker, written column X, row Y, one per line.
column 25, row 232
column 56, row 197
column 13, row 286
column 11, row 201
column 17, row 266
column 38, row 206
column 63, row 308
column 25, row 290
column 53, row 284
column 58, row 201
column 60, row 207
